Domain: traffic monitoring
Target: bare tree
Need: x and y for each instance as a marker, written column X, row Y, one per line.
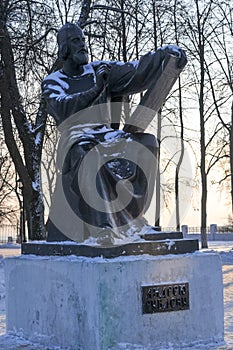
column 24, row 55
column 220, row 74
column 7, row 200
column 198, row 31
column 48, row 161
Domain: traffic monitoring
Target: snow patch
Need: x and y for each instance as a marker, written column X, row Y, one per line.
column 104, row 128
column 175, row 50
column 38, row 139
column 170, row 244
column 113, row 135
column 58, row 77
column 10, row 342
column 35, row 185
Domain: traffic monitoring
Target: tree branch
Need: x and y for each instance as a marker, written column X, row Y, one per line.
column 85, row 11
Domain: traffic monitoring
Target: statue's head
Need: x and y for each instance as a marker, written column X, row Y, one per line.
column 71, row 44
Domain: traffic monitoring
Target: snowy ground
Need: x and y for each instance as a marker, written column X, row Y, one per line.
column 225, row 249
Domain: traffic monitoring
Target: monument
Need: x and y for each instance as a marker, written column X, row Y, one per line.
column 106, row 279
column 78, row 97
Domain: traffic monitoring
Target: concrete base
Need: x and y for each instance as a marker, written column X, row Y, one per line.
column 96, row 303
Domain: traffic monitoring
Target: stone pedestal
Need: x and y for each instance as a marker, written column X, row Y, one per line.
column 99, row 304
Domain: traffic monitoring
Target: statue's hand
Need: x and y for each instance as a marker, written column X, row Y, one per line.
column 176, row 51
column 102, row 74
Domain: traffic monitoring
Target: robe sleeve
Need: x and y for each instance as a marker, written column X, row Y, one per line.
column 136, row 76
column 61, row 104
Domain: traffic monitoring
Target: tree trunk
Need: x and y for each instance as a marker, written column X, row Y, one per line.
column 177, row 191
column 201, row 48
column 203, row 167
column 26, row 164
column 34, row 208
column 158, row 182
column 231, row 158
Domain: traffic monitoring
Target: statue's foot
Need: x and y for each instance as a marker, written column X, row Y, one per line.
column 105, row 241
column 106, row 237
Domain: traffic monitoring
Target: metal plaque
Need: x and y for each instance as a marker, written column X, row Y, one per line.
column 165, row 297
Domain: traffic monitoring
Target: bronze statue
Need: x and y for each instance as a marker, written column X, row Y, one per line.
column 121, row 163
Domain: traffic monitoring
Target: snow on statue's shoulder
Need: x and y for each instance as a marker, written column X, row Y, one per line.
column 58, row 78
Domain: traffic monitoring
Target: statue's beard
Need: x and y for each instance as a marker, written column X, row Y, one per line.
column 80, row 58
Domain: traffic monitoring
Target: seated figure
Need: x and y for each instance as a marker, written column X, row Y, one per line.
column 106, row 175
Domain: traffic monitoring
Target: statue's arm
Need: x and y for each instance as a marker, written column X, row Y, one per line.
column 133, row 77
column 61, row 105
